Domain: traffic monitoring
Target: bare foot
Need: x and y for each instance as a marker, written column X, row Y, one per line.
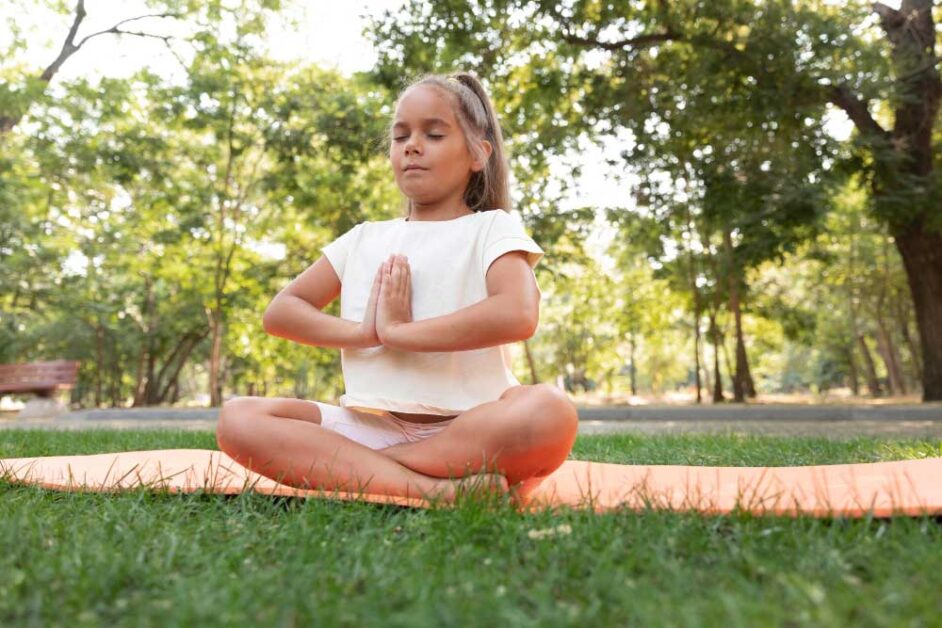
column 520, row 492
column 473, row 485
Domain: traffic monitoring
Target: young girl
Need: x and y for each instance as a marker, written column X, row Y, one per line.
column 429, row 303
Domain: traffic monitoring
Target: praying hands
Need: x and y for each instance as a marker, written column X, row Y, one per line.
column 390, row 302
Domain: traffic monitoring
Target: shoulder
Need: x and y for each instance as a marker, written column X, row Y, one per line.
column 504, row 221
column 499, row 223
column 503, row 225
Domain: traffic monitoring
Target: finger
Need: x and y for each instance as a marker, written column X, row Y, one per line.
column 397, row 282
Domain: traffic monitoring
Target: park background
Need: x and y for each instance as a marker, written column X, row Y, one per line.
column 736, row 200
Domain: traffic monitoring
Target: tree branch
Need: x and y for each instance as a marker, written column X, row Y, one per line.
column 856, row 110
column 889, row 17
column 116, row 28
column 634, row 42
column 69, row 47
column 840, row 95
column 669, row 34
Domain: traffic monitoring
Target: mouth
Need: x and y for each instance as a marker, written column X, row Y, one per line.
column 410, row 168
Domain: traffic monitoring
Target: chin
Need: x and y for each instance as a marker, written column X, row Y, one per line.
column 417, row 194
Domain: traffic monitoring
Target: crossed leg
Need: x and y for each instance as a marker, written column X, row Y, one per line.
column 524, row 436
column 282, row 439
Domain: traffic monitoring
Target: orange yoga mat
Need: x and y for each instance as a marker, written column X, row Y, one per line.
column 905, row 487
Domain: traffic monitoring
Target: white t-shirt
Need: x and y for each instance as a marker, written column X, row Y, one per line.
column 448, row 262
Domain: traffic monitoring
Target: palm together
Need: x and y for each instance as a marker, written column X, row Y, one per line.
column 390, row 300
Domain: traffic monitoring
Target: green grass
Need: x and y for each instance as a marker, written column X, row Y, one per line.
column 159, row 559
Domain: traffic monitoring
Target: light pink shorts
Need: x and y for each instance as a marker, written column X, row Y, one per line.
column 374, row 430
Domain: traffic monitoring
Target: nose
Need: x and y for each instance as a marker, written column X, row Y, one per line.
column 412, row 146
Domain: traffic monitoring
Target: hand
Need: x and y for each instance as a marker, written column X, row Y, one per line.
column 368, row 325
column 395, row 299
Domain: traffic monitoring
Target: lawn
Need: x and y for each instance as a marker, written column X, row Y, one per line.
column 159, row 559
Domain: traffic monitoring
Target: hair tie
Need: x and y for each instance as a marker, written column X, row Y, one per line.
column 477, row 96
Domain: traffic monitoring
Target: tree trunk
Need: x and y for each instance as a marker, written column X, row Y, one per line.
column 717, row 375
column 852, row 367
column 852, row 307
column 903, row 318
column 633, row 370
column 99, row 363
column 922, row 258
column 888, row 354
column 750, row 383
column 531, row 364
column 912, row 33
column 143, row 370
column 150, row 388
column 191, row 343
column 742, row 379
column 115, row 383
column 727, row 362
column 873, row 383
column 707, row 373
column 215, row 359
column 696, row 342
column 141, row 375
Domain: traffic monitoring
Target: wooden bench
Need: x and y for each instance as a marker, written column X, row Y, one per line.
column 43, row 379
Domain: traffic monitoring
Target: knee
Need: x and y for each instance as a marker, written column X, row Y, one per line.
column 560, row 407
column 514, row 391
column 232, row 427
column 557, row 414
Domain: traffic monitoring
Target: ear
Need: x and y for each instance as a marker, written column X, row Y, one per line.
column 478, row 165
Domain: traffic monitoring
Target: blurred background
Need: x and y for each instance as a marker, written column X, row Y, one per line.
column 737, row 200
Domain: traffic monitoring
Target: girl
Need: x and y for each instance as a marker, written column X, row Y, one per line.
column 429, row 303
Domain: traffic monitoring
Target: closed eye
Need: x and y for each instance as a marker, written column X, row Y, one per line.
column 402, row 138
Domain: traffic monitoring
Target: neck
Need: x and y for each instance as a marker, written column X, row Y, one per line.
column 438, row 211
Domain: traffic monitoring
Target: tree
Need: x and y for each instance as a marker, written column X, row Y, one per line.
column 18, row 95
column 588, row 67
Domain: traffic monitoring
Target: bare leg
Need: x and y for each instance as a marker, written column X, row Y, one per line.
column 282, row 439
column 525, row 435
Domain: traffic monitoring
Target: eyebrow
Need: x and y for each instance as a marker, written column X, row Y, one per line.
column 425, row 121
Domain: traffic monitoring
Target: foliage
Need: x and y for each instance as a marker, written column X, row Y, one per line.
column 146, row 223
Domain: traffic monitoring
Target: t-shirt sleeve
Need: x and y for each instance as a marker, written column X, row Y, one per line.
column 507, row 234
column 337, row 251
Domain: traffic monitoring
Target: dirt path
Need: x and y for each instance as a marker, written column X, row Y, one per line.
column 909, row 421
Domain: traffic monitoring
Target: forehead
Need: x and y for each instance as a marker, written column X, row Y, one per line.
column 423, row 104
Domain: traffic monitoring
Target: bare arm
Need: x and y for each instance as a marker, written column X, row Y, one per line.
column 510, row 313
column 295, row 312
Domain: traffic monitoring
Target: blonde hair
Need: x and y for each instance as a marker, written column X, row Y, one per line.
column 489, row 187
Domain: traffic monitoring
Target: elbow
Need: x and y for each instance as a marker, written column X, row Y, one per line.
column 528, row 325
column 270, row 318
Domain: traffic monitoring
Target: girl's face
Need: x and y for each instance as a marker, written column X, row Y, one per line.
column 429, row 156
